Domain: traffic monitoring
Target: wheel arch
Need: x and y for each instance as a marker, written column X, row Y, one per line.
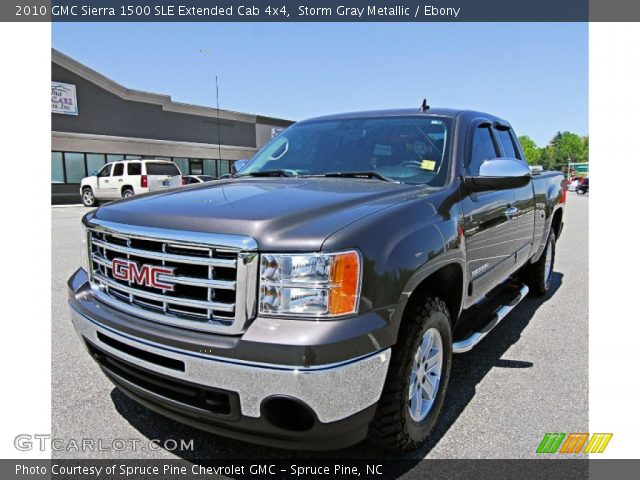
column 556, row 221
column 125, row 187
column 446, row 283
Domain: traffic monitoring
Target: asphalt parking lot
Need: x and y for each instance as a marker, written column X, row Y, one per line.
column 529, row 377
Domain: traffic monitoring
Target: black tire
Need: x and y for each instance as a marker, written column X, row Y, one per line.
column 127, row 192
column 88, row 197
column 393, row 427
column 535, row 274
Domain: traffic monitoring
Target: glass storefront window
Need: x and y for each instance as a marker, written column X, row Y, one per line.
column 95, row 161
column 210, row 167
column 225, row 167
column 74, row 165
column 57, row 168
column 195, row 165
column 183, row 164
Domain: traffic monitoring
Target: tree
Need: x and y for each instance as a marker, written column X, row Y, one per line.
column 566, row 147
column 530, row 149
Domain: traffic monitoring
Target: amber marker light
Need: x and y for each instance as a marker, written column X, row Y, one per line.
column 345, row 283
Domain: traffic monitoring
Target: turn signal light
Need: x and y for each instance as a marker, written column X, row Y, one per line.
column 345, row 275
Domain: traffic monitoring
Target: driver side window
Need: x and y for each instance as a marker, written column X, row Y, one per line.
column 483, row 148
column 105, row 171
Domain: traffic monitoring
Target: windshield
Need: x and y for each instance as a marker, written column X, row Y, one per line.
column 411, row 149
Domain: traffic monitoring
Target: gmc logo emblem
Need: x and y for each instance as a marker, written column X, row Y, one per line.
column 130, row 271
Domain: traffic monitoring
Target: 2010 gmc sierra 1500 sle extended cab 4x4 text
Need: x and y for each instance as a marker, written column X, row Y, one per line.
column 316, row 297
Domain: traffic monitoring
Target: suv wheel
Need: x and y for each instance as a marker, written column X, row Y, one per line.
column 417, row 378
column 538, row 275
column 127, row 192
column 88, row 198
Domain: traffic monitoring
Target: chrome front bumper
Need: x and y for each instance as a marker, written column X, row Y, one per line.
column 334, row 392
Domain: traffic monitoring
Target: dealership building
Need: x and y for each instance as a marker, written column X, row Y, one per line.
column 95, row 120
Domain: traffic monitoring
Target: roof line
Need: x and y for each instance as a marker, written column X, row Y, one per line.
column 130, row 94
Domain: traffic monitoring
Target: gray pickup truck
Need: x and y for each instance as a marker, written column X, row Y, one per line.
column 315, row 298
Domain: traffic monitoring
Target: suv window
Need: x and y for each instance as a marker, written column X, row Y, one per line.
column 118, row 170
column 134, row 168
column 162, row 168
column 105, row 171
column 506, row 140
column 483, row 148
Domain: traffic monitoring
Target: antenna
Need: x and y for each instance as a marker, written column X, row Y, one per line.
column 218, row 121
column 424, row 107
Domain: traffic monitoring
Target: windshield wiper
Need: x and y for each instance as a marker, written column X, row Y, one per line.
column 268, row 173
column 376, row 175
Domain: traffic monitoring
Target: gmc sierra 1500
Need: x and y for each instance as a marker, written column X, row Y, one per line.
column 316, row 297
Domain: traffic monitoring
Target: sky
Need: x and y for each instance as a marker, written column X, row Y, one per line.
column 535, row 75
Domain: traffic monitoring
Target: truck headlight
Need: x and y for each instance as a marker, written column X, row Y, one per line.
column 314, row 285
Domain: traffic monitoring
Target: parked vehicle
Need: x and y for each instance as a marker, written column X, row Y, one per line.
column 573, row 184
column 316, row 297
column 126, row 178
column 193, row 179
column 583, row 187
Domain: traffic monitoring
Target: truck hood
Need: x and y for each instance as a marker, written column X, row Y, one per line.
column 294, row 214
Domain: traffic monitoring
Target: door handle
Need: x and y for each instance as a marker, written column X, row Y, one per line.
column 120, row 180
column 106, row 181
column 510, row 212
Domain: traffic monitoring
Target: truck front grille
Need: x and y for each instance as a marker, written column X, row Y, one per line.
column 213, row 284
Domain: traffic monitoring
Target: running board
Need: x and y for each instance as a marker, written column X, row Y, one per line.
column 474, row 338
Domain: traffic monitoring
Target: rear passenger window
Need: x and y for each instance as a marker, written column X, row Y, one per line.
column 134, row 169
column 483, row 149
column 118, row 170
column 504, row 136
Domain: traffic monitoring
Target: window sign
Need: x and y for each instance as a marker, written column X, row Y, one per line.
column 63, row 98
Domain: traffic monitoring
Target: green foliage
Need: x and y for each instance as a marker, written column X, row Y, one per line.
column 563, row 148
column 530, row 149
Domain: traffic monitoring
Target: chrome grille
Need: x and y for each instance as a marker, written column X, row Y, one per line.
column 213, row 282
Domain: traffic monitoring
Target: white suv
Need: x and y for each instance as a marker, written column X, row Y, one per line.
column 127, row 178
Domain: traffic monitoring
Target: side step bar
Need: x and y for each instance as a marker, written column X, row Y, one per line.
column 474, row 338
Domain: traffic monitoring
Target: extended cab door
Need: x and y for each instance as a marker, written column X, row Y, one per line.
column 488, row 226
column 524, row 202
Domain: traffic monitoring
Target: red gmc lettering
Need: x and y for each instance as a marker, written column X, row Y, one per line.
column 148, row 275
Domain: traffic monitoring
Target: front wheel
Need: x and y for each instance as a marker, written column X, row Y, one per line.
column 417, row 378
column 88, row 198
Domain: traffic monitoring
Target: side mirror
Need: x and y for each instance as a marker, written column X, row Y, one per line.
column 238, row 165
column 499, row 174
column 94, row 173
